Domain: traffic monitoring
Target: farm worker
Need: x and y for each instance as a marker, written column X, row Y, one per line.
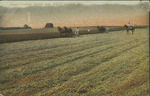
column 129, row 25
column 77, row 31
column 106, row 29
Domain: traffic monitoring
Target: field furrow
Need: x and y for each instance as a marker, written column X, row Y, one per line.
column 87, row 76
column 92, row 65
column 48, row 65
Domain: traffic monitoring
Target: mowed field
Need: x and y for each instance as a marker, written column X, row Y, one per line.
column 105, row 64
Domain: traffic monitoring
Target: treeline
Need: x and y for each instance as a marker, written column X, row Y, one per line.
column 13, row 28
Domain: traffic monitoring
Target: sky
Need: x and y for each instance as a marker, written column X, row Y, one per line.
column 72, row 13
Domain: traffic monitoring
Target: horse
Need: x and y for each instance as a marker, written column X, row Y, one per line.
column 62, row 31
column 68, row 31
column 129, row 28
column 65, row 31
column 101, row 29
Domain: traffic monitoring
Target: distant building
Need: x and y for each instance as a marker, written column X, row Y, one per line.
column 49, row 25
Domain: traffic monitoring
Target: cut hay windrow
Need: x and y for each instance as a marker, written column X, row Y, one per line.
column 7, row 36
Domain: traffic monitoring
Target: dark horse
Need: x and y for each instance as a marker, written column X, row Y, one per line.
column 128, row 29
column 101, row 29
column 62, row 31
column 65, row 31
column 68, row 31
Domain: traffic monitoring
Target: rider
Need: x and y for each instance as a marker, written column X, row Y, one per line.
column 129, row 25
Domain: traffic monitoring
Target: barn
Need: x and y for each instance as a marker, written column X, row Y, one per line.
column 49, row 25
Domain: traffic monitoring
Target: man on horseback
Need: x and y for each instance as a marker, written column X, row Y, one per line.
column 129, row 26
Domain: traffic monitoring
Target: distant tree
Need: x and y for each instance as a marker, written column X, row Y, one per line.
column 26, row 26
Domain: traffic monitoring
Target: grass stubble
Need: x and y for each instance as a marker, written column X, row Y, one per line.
column 113, row 64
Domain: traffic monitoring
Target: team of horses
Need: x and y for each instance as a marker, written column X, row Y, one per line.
column 68, row 32
column 101, row 29
column 65, row 32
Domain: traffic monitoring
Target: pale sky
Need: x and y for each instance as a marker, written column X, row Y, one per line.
column 71, row 13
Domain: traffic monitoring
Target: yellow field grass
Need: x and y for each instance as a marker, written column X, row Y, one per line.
column 109, row 64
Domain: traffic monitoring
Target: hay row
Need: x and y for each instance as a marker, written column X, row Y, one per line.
column 46, row 33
